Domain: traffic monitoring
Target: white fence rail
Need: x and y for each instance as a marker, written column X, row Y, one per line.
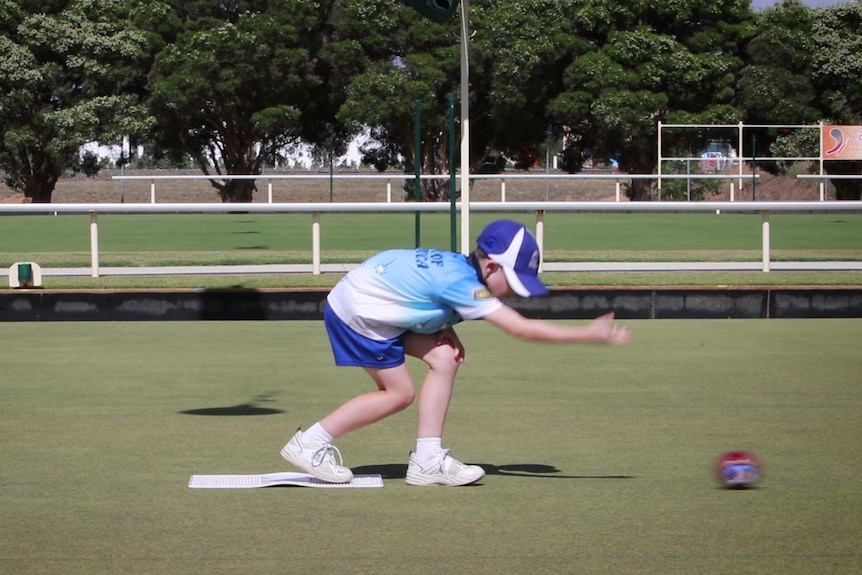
column 465, row 212
column 618, row 178
column 538, row 208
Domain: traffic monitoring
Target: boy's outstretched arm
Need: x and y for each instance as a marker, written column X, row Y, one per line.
column 600, row 330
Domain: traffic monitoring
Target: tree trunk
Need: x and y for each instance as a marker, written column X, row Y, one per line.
column 38, row 186
column 34, row 173
column 846, row 189
column 39, row 192
column 640, row 190
column 237, row 191
column 434, row 161
column 639, row 160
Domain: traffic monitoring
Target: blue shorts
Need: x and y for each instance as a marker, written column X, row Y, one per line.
column 355, row 350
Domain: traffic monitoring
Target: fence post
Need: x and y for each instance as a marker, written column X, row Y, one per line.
column 94, row 244
column 315, row 243
column 766, row 240
column 540, row 237
column 152, row 191
column 502, row 189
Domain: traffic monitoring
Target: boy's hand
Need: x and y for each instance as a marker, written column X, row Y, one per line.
column 606, row 330
column 449, row 337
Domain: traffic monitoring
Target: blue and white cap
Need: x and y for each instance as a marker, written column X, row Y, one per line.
column 511, row 245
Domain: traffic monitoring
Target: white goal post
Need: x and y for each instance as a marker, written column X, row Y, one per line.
column 741, row 159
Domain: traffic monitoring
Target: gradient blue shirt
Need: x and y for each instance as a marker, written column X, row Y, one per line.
column 421, row 290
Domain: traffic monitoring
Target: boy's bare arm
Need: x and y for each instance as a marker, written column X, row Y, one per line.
column 600, row 330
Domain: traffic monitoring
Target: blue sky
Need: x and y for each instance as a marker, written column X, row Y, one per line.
column 761, row 4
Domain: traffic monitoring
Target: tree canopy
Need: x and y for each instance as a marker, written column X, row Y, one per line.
column 67, row 72
column 235, row 84
column 804, row 67
column 642, row 63
column 838, row 78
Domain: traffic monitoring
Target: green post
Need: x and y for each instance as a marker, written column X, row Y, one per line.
column 417, row 165
column 453, row 235
column 25, row 274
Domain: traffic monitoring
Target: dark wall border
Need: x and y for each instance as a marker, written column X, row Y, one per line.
column 570, row 303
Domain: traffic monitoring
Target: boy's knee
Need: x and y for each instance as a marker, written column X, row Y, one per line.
column 404, row 398
column 442, row 358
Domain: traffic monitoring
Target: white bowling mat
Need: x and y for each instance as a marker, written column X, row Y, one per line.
column 274, row 479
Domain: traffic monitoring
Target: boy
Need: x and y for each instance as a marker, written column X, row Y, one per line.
column 405, row 302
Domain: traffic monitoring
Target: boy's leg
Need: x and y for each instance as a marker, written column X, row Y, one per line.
column 440, row 468
column 436, row 391
column 394, row 393
column 313, row 451
column 317, row 456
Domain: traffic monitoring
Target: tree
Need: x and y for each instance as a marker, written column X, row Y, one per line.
column 517, row 49
column 775, row 87
column 67, row 70
column 406, row 59
column 521, row 51
column 642, row 62
column 804, row 67
column 838, row 79
column 234, row 83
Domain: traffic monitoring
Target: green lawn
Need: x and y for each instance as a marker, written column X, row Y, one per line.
column 598, row 459
column 565, row 234
column 231, row 239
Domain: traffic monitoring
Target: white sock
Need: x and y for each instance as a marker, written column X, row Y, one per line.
column 428, row 447
column 317, row 434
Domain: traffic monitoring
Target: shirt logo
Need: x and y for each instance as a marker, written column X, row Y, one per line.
column 381, row 267
column 481, row 294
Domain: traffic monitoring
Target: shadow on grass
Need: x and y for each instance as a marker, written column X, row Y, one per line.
column 535, row 470
column 250, row 408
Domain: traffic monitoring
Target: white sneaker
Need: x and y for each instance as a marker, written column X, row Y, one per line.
column 317, row 459
column 443, row 469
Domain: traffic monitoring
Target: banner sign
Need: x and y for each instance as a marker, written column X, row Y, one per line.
column 841, row 142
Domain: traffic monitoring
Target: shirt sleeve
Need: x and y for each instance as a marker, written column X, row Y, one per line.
column 464, row 293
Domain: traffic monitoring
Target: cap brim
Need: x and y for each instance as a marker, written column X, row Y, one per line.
column 525, row 285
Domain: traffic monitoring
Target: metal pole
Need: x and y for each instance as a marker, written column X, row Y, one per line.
column 753, row 167
column 822, row 181
column 658, row 183
column 465, row 127
column 417, row 166
column 453, row 223
column 688, row 180
column 739, row 156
